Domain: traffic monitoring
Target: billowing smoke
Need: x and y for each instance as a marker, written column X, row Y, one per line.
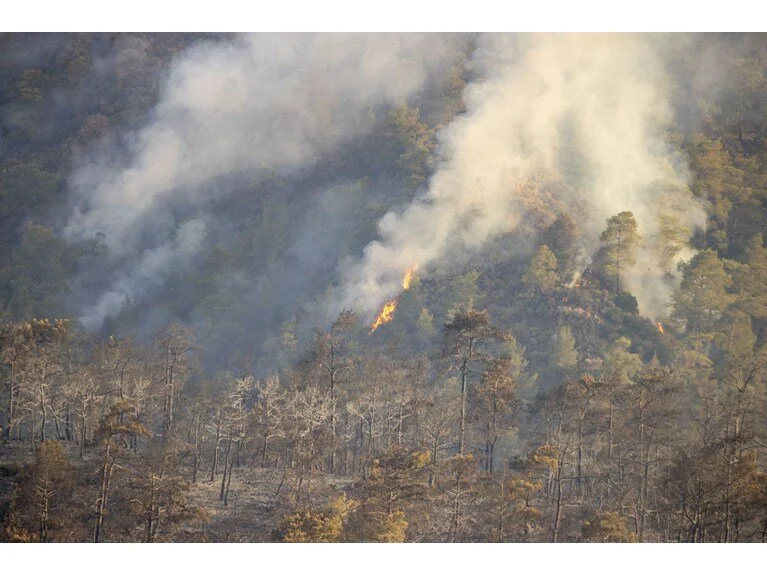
column 569, row 122
column 232, row 107
column 588, row 111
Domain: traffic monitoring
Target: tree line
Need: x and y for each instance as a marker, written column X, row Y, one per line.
column 372, row 443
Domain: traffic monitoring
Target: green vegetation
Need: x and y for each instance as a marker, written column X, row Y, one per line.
column 518, row 395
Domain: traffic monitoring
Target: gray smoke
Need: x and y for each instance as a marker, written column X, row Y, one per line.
column 269, row 100
column 533, row 95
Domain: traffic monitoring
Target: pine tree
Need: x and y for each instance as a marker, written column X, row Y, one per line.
column 464, row 341
column 618, row 247
column 44, row 502
column 542, row 273
column 702, row 295
column 563, row 355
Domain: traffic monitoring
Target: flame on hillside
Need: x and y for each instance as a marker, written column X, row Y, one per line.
column 409, row 277
column 387, row 313
column 660, row 327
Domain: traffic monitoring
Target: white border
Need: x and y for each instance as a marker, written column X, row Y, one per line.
column 382, row 16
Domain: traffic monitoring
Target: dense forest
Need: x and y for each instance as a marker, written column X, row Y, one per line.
column 383, row 288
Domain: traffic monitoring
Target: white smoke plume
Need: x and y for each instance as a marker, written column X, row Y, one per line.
column 274, row 100
column 147, row 271
column 533, row 96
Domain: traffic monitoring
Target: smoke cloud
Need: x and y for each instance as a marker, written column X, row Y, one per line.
column 227, row 108
column 587, row 111
column 552, row 123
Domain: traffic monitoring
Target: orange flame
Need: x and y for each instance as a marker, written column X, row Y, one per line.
column 387, row 313
column 409, row 277
column 660, row 327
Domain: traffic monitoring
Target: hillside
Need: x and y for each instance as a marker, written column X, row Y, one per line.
column 446, row 287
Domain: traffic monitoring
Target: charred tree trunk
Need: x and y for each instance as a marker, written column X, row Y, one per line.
column 227, row 469
column 197, row 448
column 214, row 466
column 455, row 519
column 265, row 448
column 228, row 483
column 106, row 472
column 82, row 436
column 44, row 506
column 610, row 448
column 68, row 424
column 149, row 531
column 169, row 391
column 558, row 500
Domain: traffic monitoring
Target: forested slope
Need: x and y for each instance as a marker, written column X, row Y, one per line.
column 548, row 374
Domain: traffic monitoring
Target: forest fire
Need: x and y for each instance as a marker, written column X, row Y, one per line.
column 387, row 313
column 409, row 277
column 660, row 327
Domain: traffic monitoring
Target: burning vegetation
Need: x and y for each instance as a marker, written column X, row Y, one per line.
column 387, row 313
column 283, row 181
